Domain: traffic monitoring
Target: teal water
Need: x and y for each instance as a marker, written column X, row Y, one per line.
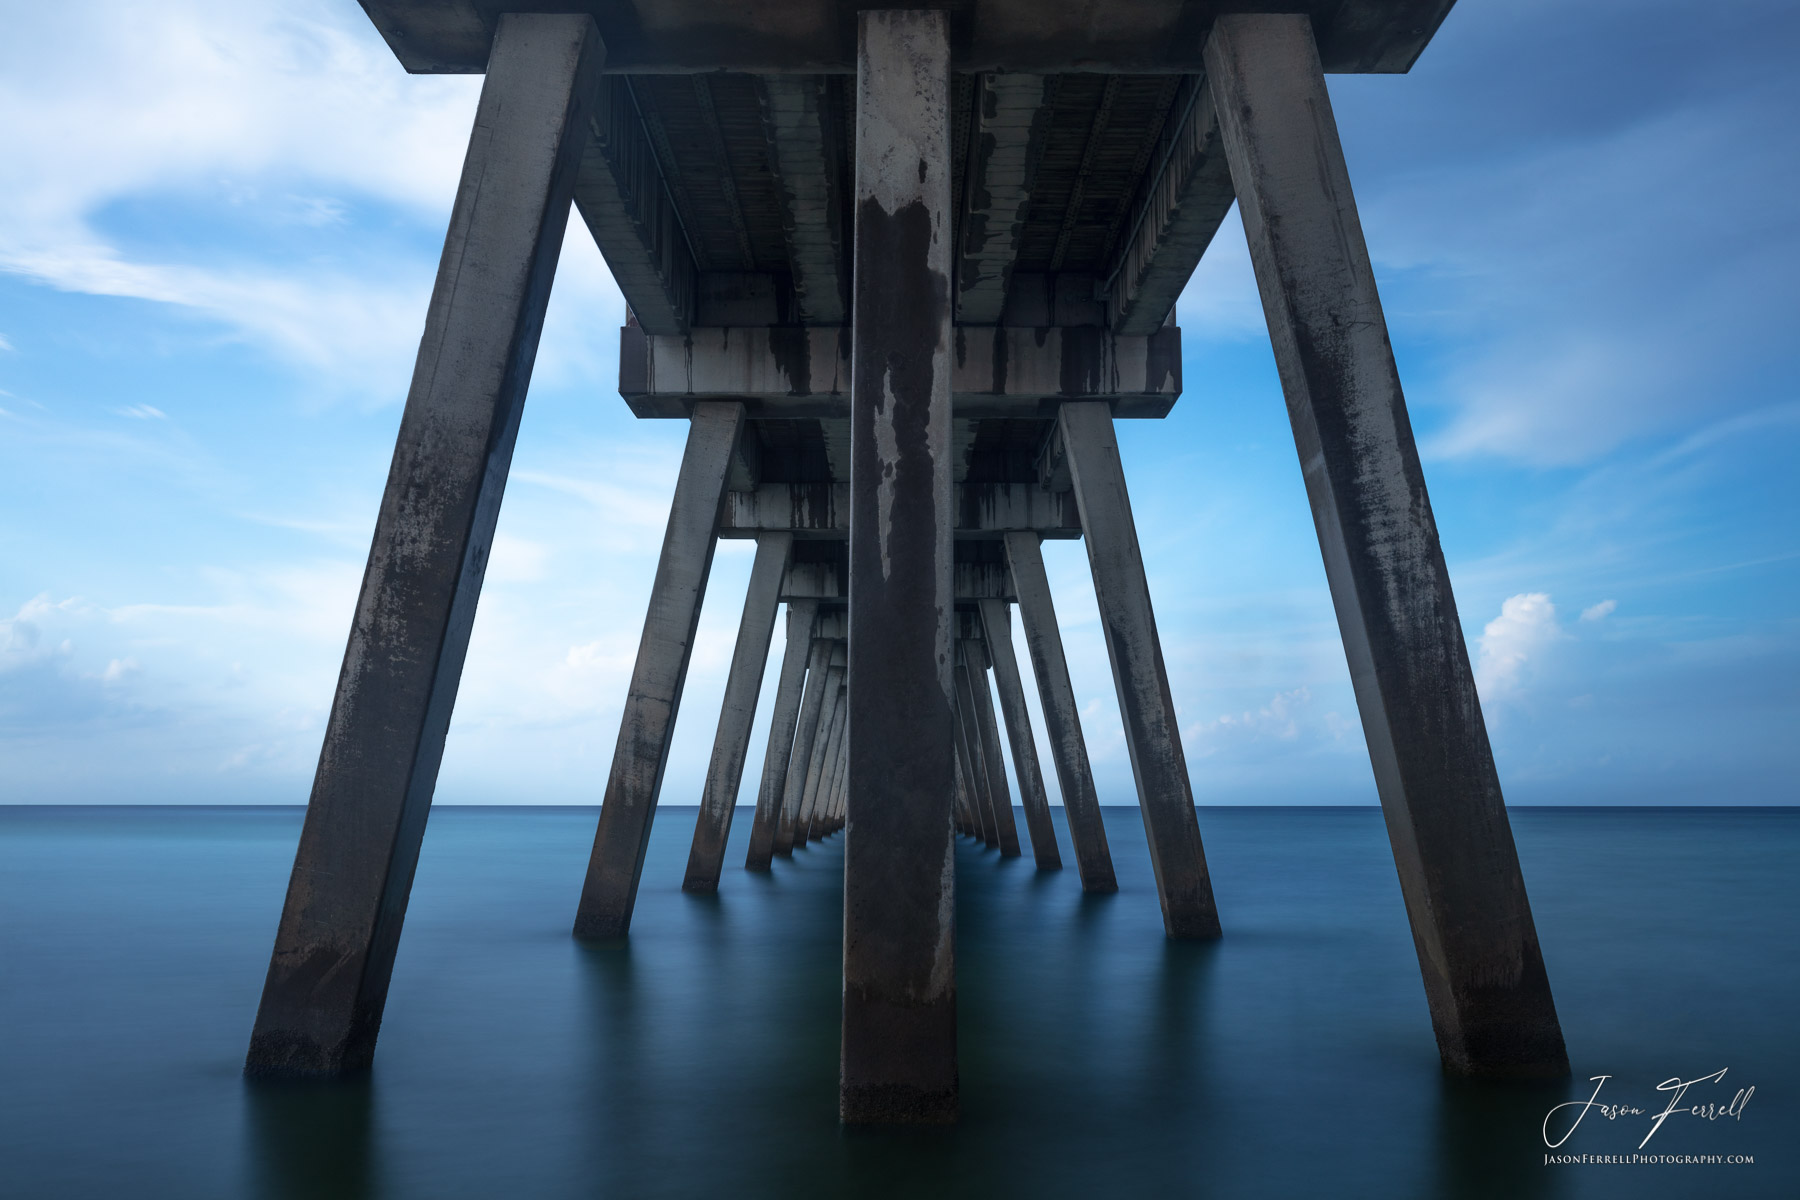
column 1293, row 1058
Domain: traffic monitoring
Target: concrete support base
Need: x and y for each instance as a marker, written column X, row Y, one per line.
column 629, row 805
column 1459, row 871
column 1152, row 735
column 898, row 1061
column 334, row 951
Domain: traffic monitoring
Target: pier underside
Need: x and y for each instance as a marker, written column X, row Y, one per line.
column 901, row 271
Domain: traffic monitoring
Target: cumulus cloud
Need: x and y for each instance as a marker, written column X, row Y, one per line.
column 1515, row 642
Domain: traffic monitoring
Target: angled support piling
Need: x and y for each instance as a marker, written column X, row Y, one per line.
column 997, row 627
column 987, row 738
column 782, row 721
column 648, row 723
column 328, row 977
column 1165, row 796
column 1062, row 716
column 706, row 857
column 812, row 714
column 1434, row 771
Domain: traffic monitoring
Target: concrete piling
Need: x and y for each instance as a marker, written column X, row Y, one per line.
column 997, row 627
column 1434, row 771
column 782, row 721
column 898, row 1062
column 327, row 983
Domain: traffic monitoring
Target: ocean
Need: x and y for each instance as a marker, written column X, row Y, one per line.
column 1292, row 1058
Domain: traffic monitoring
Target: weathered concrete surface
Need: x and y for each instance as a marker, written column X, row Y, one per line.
column 334, row 951
column 812, row 799
column 1175, row 219
column 987, row 738
column 813, row 713
column 1152, row 733
column 1006, row 138
column 1062, row 716
column 834, row 780
column 781, row 734
column 1471, row 921
column 1043, row 36
column 743, row 685
column 898, row 1061
column 804, row 152
column 996, row 370
column 1032, row 797
column 629, row 806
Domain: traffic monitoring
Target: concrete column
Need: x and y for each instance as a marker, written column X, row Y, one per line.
column 899, row 1034
column 1032, row 797
column 1459, row 871
column 328, row 976
column 648, row 722
column 834, row 790
column 1165, row 795
column 987, row 735
column 812, row 711
column 831, row 719
column 781, row 734
column 1062, row 716
column 742, row 687
column 968, row 761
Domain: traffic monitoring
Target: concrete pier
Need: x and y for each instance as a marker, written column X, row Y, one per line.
column 1459, row 872
column 1032, row 796
column 1165, row 795
column 1062, row 715
column 327, row 983
column 648, row 722
column 898, row 1059
column 782, row 720
column 969, row 764
column 743, row 685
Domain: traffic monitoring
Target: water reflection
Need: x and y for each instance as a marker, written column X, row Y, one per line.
column 312, row 1140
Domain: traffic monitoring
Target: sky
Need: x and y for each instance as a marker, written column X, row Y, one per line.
column 219, row 225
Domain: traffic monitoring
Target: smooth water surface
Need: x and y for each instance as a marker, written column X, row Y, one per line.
column 1293, row 1058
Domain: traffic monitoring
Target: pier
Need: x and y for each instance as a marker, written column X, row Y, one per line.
column 902, row 271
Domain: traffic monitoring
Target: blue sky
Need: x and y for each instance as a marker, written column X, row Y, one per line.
column 218, row 228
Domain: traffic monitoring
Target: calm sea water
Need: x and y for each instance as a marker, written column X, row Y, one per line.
column 1294, row 1058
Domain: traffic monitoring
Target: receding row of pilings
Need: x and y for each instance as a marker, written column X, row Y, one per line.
column 904, row 753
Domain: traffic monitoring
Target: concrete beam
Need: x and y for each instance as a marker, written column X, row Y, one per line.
column 821, row 581
column 997, row 629
column 1152, row 732
column 823, row 510
column 623, row 198
column 816, row 37
column 1188, row 194
column 647, row 724
column 1459, row 871
column 327, row 983
column 812, row 709
column 898, row 1061
column 804, row 371
column 804, row 153
column 781, row 734
column 1010, row 119
column 743, row 685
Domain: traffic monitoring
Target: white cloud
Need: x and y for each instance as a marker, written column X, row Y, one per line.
column 1516, row 641
column 5, row 346
column 1600, row 611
